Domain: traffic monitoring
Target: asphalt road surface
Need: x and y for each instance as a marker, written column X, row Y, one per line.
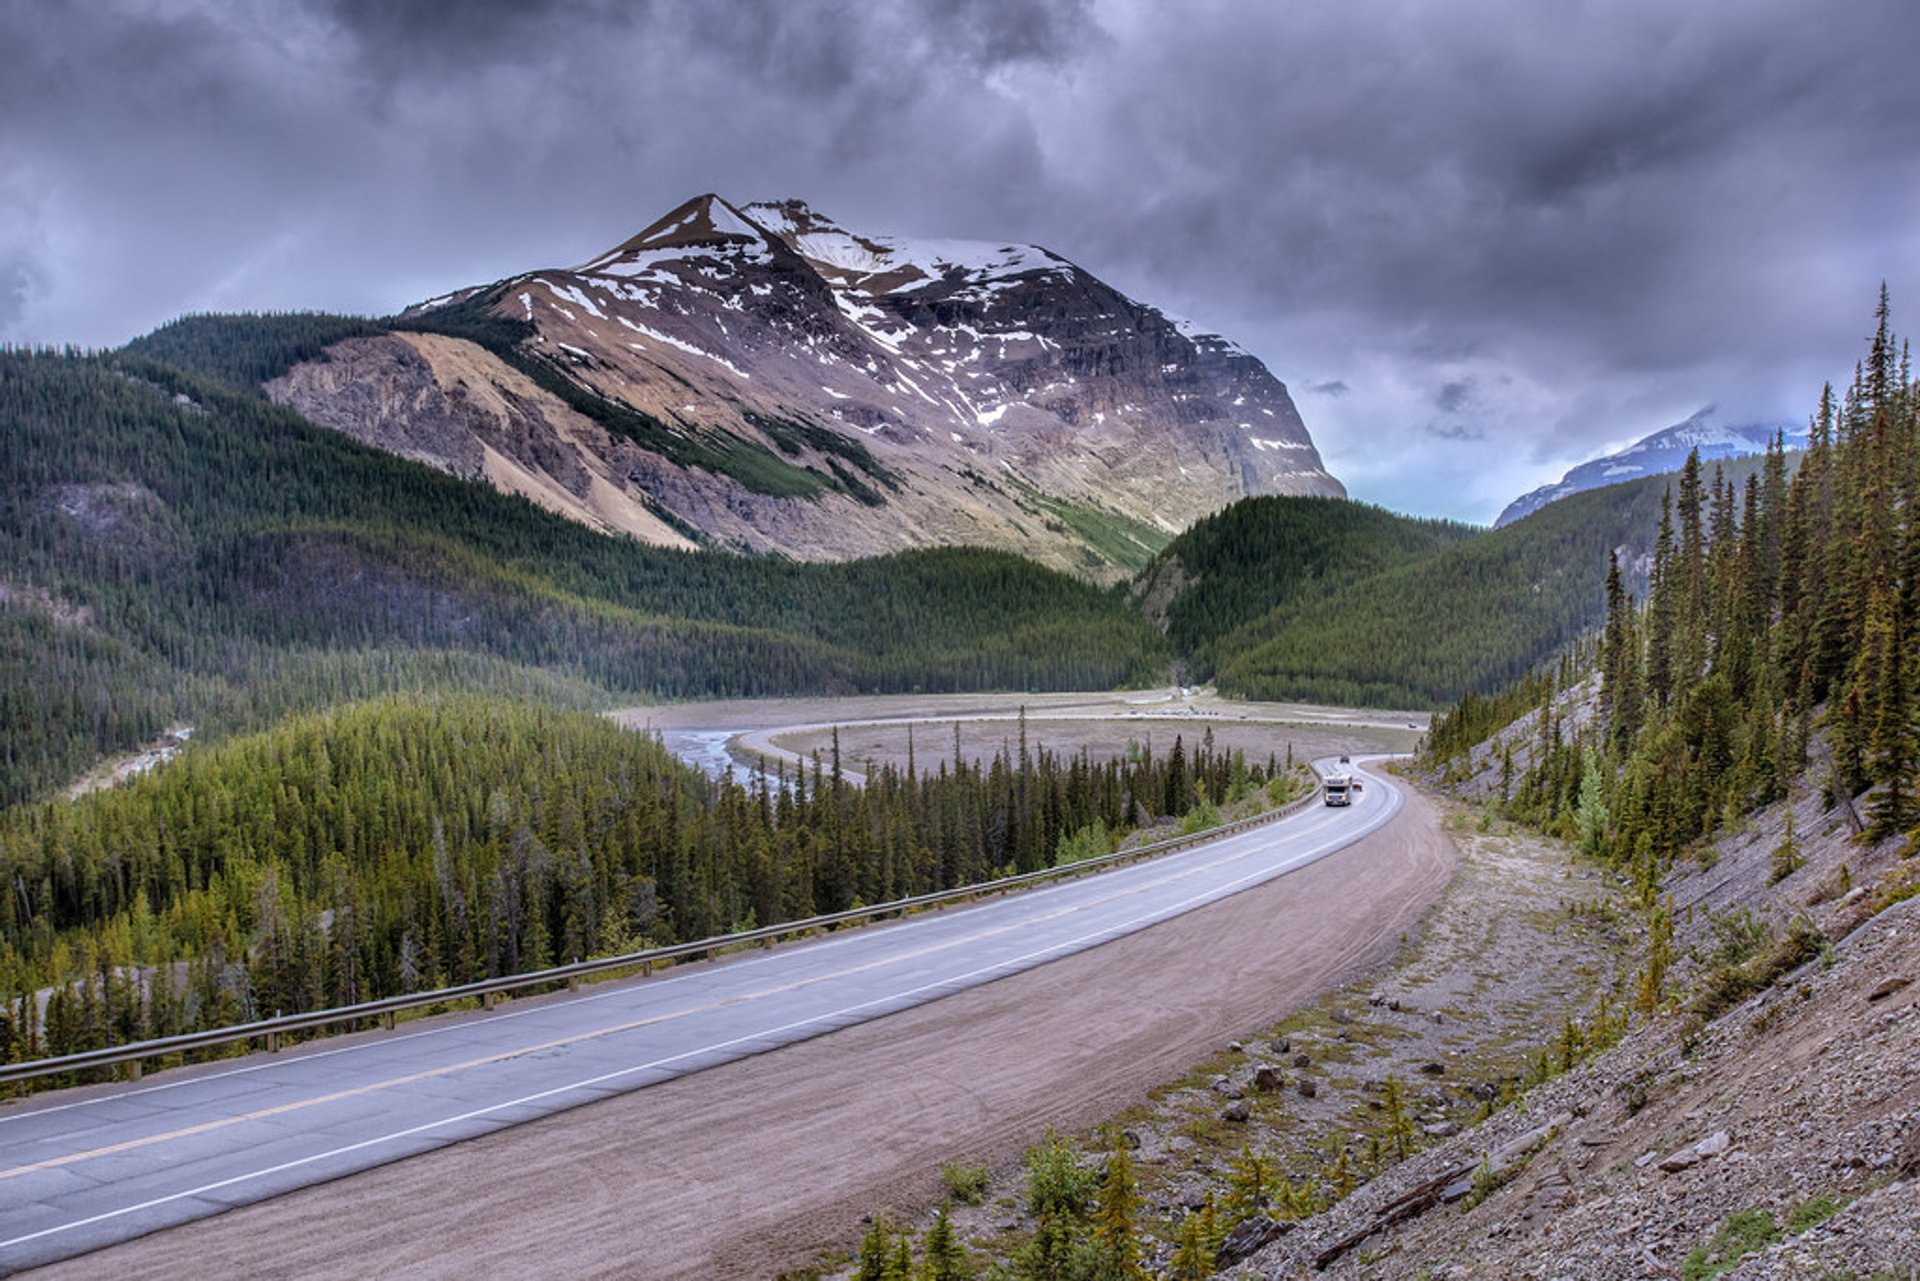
column 83, row 1171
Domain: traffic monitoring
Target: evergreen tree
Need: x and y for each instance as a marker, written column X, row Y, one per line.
column 943, row 1258
column 1116, row 1215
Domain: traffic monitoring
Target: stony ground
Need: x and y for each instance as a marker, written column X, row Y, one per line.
column 1747, row 1134
column 1522, row 941
column 1775, row 1136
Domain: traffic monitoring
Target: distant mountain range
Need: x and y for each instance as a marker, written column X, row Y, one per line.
column 1664, row 451
column 760, row 378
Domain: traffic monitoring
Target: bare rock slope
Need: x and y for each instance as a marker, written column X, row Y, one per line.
column 760, row 378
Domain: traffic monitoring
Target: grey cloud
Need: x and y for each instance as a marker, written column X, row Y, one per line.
column 1585, row 216
column 1456, row 432
column 1454, row 396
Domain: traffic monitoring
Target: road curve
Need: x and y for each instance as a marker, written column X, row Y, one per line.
column 685, row 1178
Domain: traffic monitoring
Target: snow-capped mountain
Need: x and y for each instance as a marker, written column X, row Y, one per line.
column 1664, row 451
column 795, row 387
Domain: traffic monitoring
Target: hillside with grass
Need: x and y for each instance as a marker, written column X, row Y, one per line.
column 176, row 552
column 1325, row 601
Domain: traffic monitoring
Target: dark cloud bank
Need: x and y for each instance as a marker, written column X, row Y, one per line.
column 1482, row 240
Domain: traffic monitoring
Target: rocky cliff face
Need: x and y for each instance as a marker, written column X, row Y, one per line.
column 758, row 377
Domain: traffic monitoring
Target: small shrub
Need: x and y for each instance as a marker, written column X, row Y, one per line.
column 1787, row 858
column 1205, row 814
column 967, row 1184
column 1733, row 981
column 1091, row 841
column 1057, row 1184
column 1900, row 885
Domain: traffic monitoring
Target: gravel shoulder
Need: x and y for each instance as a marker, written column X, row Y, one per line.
column 765, row 1164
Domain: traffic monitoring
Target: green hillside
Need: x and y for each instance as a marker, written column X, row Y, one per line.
column 1780, row 612
column 1336, row 602
column 174, row 551
column 1262, row 553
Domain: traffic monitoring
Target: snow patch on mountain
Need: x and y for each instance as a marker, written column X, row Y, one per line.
column 1664, row 451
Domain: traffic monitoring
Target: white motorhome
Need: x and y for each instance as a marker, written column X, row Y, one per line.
column 1337, row 788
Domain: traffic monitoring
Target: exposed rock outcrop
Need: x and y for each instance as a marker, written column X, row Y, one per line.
column 811, row 391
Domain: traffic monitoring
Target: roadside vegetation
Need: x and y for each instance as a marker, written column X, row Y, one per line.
column 1776, row 638
column 410, row 843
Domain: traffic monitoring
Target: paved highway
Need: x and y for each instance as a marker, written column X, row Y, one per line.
column 87, row 1170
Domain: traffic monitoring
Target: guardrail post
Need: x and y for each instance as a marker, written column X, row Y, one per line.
column 273, row 1043
column 573, row 983
column 646, row 968
column 486, row 1000
column 133, row 1069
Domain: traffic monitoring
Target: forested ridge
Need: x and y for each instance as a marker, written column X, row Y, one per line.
column 1778, row 634
column 410, row 843
column 1300, row 598
column 178, row 552
column 1273, row 597
column 1259, row 554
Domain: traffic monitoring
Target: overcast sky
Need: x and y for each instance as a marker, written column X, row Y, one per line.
column 1479, row 241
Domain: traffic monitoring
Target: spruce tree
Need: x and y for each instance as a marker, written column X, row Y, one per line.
column 943, row 1258
column 1116, row 1212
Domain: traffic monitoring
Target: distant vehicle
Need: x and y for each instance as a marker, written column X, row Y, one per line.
column 1338, row 788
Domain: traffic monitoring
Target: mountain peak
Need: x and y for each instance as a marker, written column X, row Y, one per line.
column 1662, row 451
column 780, row 382
column 702, row 222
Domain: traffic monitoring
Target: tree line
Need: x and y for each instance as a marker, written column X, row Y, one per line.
column 405, row 844
column 175, row 551
column 1777, row 631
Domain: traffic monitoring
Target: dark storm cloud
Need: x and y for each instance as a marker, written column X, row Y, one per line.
column 1587, row 217
column 1453, row 397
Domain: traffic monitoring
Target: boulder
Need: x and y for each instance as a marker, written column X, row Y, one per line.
column 1247, row 1239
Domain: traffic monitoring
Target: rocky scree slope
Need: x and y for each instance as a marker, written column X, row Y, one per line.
column 760, row 378
column 1764, row 1123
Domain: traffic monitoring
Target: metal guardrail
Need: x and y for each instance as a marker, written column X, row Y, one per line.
column 488, row 990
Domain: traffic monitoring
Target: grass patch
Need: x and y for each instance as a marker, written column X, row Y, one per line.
column 1116, row 539
column 1744, row 1232
column 1811, row 1214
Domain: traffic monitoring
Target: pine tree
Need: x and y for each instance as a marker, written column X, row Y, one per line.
column 1619, row 662
column 943, row 1258
column 1115, row 1221
column 1194, row 1246
column 1664, row 610
column 1886, row 679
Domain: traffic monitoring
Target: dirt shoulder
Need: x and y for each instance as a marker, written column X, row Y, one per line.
column 1522, row 941
column 762, row 1165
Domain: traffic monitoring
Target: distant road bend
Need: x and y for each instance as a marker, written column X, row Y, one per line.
column 80, row 1171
